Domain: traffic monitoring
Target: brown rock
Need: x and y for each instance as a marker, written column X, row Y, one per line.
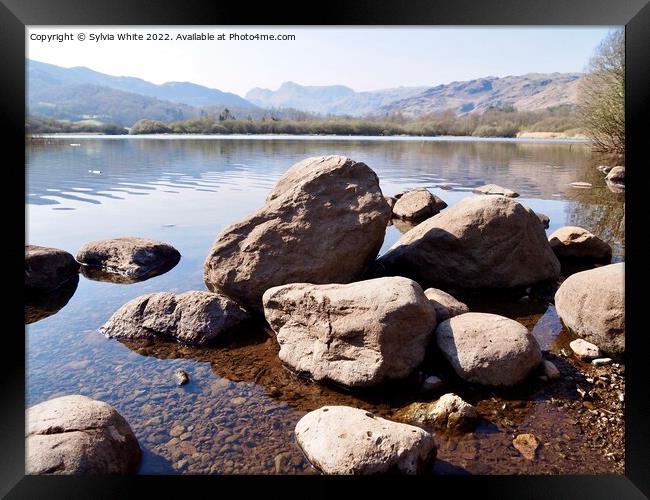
column 357, row 334
column 527, row 445
column 449, row 412
column 616, row 175
column 481, row 242
column 136, row 258
column 324, row 222
column 592, row 305
column 572, row 242
column 194, row 317
column 47, row 269
column 78, row 435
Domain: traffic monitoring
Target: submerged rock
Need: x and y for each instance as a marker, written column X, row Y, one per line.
column 616, row 175
column 580, row 184
column 345, row 440
column 572, row 242
column 417, row 205
column 446, row 306
column 592, row 305
column 481, row 242
column 488, row 349
column 78, row 435
column 527, row 445
column 432, row 383
column 357, row 334
column 550, row 370
column 136, row 258
column 323, row 222
column 496, row 190
column 46, row 269
column 449, row 412
column 194, row 317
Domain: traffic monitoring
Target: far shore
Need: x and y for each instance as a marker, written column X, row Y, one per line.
column 521, row 137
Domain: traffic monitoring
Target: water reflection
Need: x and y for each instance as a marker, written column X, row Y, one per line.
column 44, row 304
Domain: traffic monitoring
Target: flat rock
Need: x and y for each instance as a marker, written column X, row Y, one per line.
column 356, row 334
column 480, row 242
column 572, row 242
column 446, row 306
column 449, row 412
column 323, row 222
column 616, row 175
column 78, row 435
column 580, row 184
column 584, row 350
column 488, row 349
column 195, row 317
column 592, row 305
column 136, row 258
column 47, row 269
column 417, row 205
column 495, row 189
column 345, row 440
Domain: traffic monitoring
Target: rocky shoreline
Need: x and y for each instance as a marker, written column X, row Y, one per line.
column 306, row 262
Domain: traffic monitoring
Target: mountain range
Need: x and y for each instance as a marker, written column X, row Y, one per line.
column 81, row 93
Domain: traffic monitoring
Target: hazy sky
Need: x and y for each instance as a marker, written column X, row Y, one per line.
column 361, row 58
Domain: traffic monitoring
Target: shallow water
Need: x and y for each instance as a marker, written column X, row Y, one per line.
column 238, row 412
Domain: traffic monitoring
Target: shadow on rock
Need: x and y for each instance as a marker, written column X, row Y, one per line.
column 40, row 305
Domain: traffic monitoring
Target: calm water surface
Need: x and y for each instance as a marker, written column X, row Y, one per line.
column 238, row 413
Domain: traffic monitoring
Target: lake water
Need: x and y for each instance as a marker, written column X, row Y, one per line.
column 239, row 410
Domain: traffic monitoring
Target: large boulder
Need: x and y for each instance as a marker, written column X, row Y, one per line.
column 488, row 349
column 572, row 242
column 357, row 334
column 324, row 222
column 417, row 205
column 344, row 440
column 46, row 269
column 616, row 175
column 194, row 317
column 592, row 305
column 481, row 242
column 446, row 306
column 78, row 435
column 136, row 258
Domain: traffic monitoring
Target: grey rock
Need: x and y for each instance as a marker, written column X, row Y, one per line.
column 194, row 317
column 78, row 435
column 616, row 175
column 344, row 440
column 480, row 242
column 495, row 190
column 323, row 222
column 488, row 349
column 592, row 305
column 356, row 334
column 446, row 306
column 584, row 350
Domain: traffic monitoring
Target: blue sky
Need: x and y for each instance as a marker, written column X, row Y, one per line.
column 361, row 58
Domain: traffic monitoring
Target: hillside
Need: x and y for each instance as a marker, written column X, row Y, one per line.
column 530, row 92
column 181, row 92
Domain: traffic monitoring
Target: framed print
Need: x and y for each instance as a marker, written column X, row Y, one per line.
column 380, row 240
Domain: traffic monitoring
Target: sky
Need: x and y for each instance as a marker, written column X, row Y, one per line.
column 362, row 58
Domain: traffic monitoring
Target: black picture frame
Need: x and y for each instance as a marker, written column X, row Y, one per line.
column 634, row 14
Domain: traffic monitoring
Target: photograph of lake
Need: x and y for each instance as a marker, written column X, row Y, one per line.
column 325, row 250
